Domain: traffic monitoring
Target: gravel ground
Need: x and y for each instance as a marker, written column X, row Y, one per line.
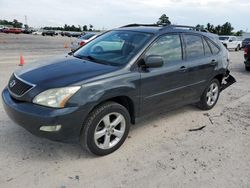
column 159, row 152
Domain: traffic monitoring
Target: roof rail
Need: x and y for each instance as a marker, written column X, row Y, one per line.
column 187, row 27
column 146, row 25
column 168, row 26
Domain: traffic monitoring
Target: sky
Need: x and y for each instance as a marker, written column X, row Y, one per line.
column 108, row 14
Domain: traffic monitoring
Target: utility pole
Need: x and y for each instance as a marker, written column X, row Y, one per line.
column 26, row 20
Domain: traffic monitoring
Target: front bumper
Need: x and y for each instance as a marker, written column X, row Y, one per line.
column 32, row 117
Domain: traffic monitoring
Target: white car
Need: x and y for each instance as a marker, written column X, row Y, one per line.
column 37, row 32
column 231, row 42
column 82, row 40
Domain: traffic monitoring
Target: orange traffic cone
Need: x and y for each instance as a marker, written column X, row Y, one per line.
column 65, row 45
column 21, row 60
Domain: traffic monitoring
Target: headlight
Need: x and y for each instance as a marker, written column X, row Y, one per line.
column 56, row 98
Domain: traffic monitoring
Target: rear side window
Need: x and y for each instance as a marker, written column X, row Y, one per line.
column 194, row 46
column 207, row 48
column 168, row 47
column 213, row 47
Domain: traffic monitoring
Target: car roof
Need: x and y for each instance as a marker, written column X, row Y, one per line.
column 161, row 29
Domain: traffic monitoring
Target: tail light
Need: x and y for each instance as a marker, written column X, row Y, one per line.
column 245, row 51
column 82, row 43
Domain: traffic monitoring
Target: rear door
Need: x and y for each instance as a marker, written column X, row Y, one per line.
column 164, row 86
column 201, row 63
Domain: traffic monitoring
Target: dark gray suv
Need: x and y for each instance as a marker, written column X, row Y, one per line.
column 93, row 94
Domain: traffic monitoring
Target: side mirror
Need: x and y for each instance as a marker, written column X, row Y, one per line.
column 153, row 61
column 230, row 40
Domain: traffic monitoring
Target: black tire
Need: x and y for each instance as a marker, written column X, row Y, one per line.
column 87, row 139
column 247, row 68
column 203, row 104
column 238, row 48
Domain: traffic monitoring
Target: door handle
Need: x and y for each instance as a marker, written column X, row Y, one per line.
column 182, row 69
column 213, row 62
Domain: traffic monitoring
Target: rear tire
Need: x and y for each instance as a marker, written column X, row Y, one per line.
column 105, row 129
column 210, row 95
column 247, row 68
column 238, row 48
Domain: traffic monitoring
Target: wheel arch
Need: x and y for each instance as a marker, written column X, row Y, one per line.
column 123, row 100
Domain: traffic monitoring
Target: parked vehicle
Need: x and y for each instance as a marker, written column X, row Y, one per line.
column 27, row 31
column 72, row 34
column 95, row 93
column 247, row 57
column 245, row 42
column 48, row 32
column 82, row 40
column 12, row 30
column 231, row 42
column 39, row 32
column 1, row 28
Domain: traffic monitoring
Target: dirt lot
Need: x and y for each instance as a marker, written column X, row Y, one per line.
column 159, row 152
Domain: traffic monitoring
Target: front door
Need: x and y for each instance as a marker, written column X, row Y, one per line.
column 164, row 86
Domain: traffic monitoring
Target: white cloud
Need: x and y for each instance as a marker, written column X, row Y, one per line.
column 114, row 13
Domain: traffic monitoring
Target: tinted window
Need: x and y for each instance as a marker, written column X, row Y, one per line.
column 223, row 38
column 246, row 40
column 207, row 48
column 168, row 47
column 194, row 46
column 233, row 38
column 87, row 36
column 214, row 48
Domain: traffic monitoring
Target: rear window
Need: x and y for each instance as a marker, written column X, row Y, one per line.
column 223, row 38
column 194, row 46
column 87, row 36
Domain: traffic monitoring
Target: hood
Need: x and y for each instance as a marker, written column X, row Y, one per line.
column 63, row 71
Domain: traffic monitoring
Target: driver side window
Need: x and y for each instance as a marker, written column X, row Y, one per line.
column 168, row 47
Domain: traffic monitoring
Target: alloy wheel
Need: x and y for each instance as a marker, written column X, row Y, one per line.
column 109, row 130
column 212, row 94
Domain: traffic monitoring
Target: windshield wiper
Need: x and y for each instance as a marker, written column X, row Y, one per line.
column 91, row 58
column 87, row 57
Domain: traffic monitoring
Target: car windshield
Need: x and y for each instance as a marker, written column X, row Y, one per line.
column 114, row 48
column 223, row 38
column 87, row 36
column 247, row 40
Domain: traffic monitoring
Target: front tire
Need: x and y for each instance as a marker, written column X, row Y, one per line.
column 210, row 96
column 105, row 129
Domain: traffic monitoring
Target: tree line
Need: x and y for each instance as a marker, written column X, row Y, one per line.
column 225, row 29
column 72, row 28
column 14, row 23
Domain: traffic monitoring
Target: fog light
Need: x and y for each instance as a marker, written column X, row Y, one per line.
column 50, row 128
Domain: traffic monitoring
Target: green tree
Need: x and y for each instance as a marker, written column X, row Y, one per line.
column 91, row 27
column 164, row 20
column 17, row 24
column 239, row 33
column 210, row 27
column 226, row 29
column 85, row 28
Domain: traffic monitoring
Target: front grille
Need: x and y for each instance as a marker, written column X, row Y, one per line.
column 17, row 86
